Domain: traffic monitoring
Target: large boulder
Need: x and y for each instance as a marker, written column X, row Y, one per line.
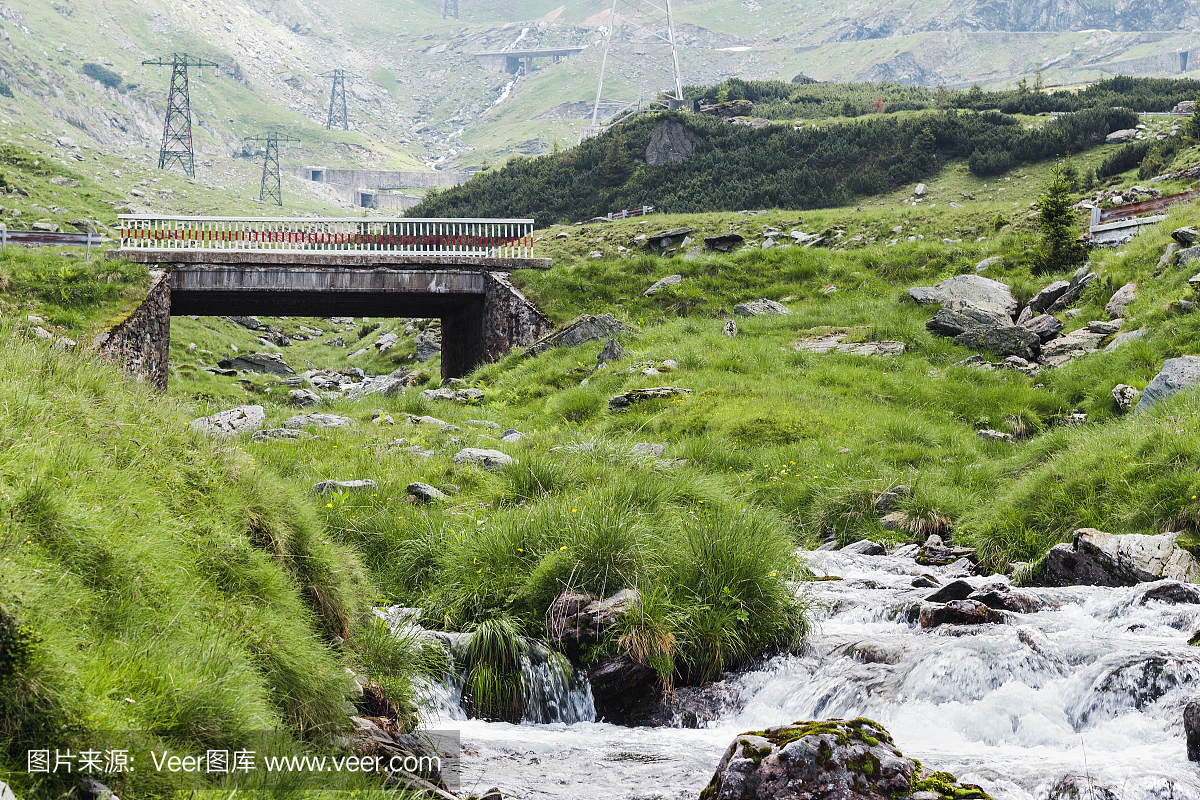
column 659, row 285
column 386, row 385
column 1118, row 137
column 303, row 397
column 258, row 362
column 620, row 687
column 964, row 317
column 1177, row 375
column 973, row 290
column 1079, row 281
column 723, row 241
column 1011, row 340
column 584, row 328
column 957, row 612
column 1046, row 297
column 224, row 424
column 1046, row 326
column 669, row 142
column 758, row 308
column 1095, row 558
column 1115, row 308
column 826, row 760
column 1070, row 347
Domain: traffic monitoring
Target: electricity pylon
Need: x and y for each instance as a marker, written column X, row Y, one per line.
column 641, row 64
column 450, row 5
column 177, row 130
column 271, row 186
column 337, row 98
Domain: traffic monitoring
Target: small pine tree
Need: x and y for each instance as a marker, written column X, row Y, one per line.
column 1060, row 248
column 943, row 98
column 1039, row 81
column 615, row 168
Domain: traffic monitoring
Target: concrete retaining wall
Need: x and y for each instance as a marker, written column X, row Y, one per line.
column 142, row 342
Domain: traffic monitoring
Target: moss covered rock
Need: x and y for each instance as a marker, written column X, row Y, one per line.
column 826, row 759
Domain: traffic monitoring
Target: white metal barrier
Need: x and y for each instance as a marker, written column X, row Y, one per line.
column 479, row 238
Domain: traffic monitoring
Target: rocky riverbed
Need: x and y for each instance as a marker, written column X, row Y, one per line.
column 1081, row 696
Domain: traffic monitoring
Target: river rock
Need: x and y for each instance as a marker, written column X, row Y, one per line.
column 424, row 493
column 624, row 401
column 1046, row 326
column 1095, row 558
column 584, row 328
column 1177, row 375
column 1191, row 729
column 957, row 612
column 619, row 686
column 955, row 590
column 488, row 459
column 326, row 487
column 303, row 397
column 658, row 286
column 761, row 307
column 1172, row 593
column 973, row 290
column 935, row 553
column 819, row 761
column 227, row 423
column 1120, row 300
column 258, row 362
column 723, row 242
column 319, row 421
column 1001, row 597
column 1125, row 396
column 865, row 547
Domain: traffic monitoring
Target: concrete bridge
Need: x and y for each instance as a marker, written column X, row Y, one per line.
column 456, row 270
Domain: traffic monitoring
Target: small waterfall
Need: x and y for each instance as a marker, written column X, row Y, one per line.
column 554, row 690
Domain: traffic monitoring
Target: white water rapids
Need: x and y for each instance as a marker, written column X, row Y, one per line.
column 1091, row 688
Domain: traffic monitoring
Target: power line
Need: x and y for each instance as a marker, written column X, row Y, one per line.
column 640, row 69
column 271, row 186
column 337, row 98
column 177, row 147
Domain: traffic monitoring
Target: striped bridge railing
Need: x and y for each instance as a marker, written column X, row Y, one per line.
column 472, row 238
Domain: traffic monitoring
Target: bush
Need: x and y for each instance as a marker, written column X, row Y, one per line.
column 5, row 90
column 102, row 74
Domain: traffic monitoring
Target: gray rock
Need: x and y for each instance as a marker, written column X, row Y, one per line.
column 974, row 290
column 1125, row 338
column 483, row 423
column 723, row 242
column 1046, row 326
column 1177, row 375
column 65, row 344
column 1117, row 137
column 463, row 396
column 326, row 487
column 511, row 436
column 1072, row 346
column 756, row 308
column 427, row 420
column 1126, row 396
column 612, row 351
column 657, row 286
column 1095, row 558
column 668, row 238
column 865, row 547
column 993, row 436
column 833, row 344
column 1187, row 256
column 1191, row 729
column 488, row 459
column 624, row 401
column 670, row 142
column 1105, row 327
column 386, row 342
column 584, row 328
column 1186, row 236
column 1008, row 341
column 303, row 397
column 648, row 449
column 425, row 493
column 988, row 263
column 253, row 323
column 1079, row 281
column 45, row 227
column 319, row 421
column 964, row 317
column 274, row 434
column 1120, row 300
column 387, row 386
column 42, row 333
column 429, row 343
column 269, row 363
column 224, row 424
column 809, row 760
column 958, row 612
column 921, row 190
column 1166, row 258
column 730, row 329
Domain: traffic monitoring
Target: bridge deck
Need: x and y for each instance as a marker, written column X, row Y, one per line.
column 364, row 260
